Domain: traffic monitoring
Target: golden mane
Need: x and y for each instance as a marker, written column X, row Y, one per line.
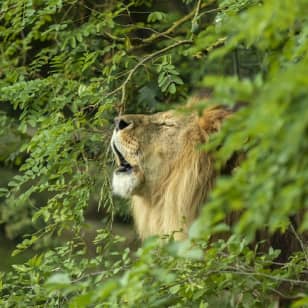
column 176, row 203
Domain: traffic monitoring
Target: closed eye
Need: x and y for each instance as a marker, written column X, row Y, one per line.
column 169, row 124
column 166, row 124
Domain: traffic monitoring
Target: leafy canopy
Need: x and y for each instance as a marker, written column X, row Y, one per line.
column 67, row 67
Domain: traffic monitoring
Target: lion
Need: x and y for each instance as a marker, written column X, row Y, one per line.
column 161, row 168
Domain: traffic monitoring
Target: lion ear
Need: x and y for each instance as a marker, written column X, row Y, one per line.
column 212, row 117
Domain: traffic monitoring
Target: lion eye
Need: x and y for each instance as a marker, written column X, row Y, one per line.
column 168, row 124
column 165, row 123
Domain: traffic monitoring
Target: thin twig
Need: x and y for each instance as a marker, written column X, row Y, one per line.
column 285, row 296
column 197, row 10
column 218, row 43
column 110, row 37
column 295, row 281
column 300, row 242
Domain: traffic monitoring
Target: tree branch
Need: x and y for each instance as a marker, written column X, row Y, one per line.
column 304, row 249
column 122, row 87
column 197, row 10
column 175, row 25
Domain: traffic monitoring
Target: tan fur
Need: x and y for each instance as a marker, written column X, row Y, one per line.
column 174, row 175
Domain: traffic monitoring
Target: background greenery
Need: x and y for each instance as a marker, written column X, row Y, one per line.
column 68, row 67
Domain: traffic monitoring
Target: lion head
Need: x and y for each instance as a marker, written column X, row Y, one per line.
column 162, row 169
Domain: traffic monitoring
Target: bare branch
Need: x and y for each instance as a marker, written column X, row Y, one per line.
column 110, row 37
column 197, row 10
column 300, row 242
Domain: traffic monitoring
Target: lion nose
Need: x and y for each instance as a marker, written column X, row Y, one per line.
column 120, row 123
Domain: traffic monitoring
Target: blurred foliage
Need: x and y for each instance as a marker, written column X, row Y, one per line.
column 67, row 67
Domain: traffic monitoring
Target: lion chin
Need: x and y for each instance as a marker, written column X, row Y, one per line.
column 124, row 184
column 126, row 177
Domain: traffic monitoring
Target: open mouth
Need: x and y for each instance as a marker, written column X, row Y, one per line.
column 124, row 164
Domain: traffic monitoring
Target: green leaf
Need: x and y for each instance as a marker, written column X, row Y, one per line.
column 156, row 16
column 172, row 89
column 58, row 281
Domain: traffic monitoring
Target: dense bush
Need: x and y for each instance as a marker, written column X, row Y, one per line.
column 67, row 67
